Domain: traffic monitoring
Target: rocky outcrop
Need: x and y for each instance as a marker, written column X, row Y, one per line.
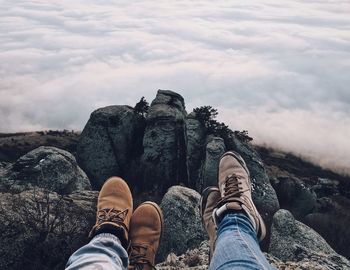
column 40, row 229
column 331, row 219
column 182, row 222
column 295, row 196
column 176, row 149
column 46, row 167
column 195, row 149
column 164, row 142
column 215, row 148
column 108, row 142
column 321, row 203
column 292, row 240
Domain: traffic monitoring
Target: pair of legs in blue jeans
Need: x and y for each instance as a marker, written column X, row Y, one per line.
column 236, row 248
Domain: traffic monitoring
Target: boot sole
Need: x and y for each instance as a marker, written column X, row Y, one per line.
column 239, row 158
column 202, row 205
column 204, row 199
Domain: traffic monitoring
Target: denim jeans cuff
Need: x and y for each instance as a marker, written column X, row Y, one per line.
column 106, row 236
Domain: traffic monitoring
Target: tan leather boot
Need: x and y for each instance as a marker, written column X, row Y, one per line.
column 210, row 198
column 145, row 232
column 114, row 210
column 235, row 188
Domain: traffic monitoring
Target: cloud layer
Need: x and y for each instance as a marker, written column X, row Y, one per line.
column 279, row 69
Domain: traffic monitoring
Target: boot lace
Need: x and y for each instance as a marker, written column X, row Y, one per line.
column 112, row 215
column 138, row 257
column 231, row 189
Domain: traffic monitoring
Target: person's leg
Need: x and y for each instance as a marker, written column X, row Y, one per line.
column 104, row 251
column 237, row 246
column 229, row 208
column 110, row 235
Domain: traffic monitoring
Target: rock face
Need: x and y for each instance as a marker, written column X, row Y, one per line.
column 149, row 153
column 164, row 157
column 182, row 223
column 195, row 141
column 293, row 241
column 46, row 167
column 37, row 228
column 287, row 234
column 215, row 148
column 109, row 142
column 295, row 196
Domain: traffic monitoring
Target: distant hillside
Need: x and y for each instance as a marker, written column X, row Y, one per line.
column 14, row 145
column 283, row 164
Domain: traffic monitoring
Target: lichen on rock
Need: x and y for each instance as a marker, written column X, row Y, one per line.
column 182, row 222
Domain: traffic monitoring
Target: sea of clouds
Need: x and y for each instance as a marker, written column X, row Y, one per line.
column 280, row 69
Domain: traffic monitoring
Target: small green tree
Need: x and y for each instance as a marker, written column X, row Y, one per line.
column 142, row 107
column 207, row 114
column 243, row 136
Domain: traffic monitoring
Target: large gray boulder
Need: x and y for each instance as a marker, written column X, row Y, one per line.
column 41, row 229
column 195, row 149
column 46, row 167
column 295, row 196
column 182, row 222
column 292, row 240
column 109, row 141
column 215, row 148
column 164, row 157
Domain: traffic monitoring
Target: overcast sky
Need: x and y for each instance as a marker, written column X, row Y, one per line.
column 280, row 69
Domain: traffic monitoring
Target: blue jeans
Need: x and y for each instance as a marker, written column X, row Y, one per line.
column 104, row 251
column 236, row 248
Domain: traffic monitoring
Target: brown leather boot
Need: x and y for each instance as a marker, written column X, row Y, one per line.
column 145, row 232
column 114, row 209
column 235, row 188
column 210, row 198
